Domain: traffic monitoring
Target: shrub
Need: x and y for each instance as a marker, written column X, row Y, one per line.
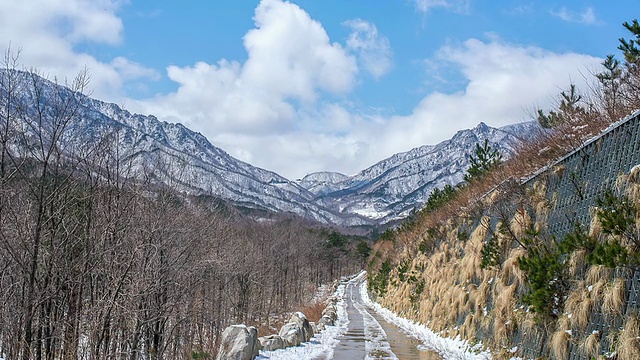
column 439, row 197
column 617, row 216
column 486, row 158
column 545, row 272
column 380, row 281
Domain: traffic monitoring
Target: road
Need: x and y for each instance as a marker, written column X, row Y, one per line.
column 369, row 336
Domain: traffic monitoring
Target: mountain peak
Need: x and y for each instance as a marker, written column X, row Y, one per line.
column 176, row 155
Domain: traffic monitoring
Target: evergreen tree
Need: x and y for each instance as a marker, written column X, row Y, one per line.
column 611, row 81
column 630, row 48
column 438, row 197
column 569, row 108
column 485, row 159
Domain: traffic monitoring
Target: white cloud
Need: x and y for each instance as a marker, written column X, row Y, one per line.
column 48, row 32
column 503, row 82
column 587, row 17
column 291, row 61
column 272, row 109
column 373, row 49
column 130, row 70
column 288, row 44
column 424, row 6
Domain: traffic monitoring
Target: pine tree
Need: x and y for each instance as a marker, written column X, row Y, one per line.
column 630, row 48
column 485, row 159
column 569, row 108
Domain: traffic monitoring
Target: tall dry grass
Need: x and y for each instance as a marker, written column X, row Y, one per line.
column 579, row 305
column 591, row 345
column 614, row 297
column 560, row 344
column 628, row 346
column 456, row 288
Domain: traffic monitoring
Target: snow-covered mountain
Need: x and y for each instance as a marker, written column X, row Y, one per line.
column 181, row 158
column 324, row 182
column 393, row 187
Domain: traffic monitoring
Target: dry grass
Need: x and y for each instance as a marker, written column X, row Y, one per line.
column 560, row 343
column 628, row 346
column 595, row 227
column 461, row 300
column 511, row 273
column 520, row 222
column 630, row 184
column 559, row 170
column 633, row 192
column 479, row 297
column 597, row 278
column 468, row 329
column 500, row 332
column 591, row 345
column 579, row 304
column 529, row 323
column 614, row 297
column 541, row 204
column 504, row 301
column 313, row 311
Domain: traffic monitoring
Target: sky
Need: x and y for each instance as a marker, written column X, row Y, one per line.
column 320, row 85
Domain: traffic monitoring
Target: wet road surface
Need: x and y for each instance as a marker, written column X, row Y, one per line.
column 369, row 336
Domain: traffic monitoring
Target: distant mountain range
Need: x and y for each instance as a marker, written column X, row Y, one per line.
column 392, row 188
column 187, row 161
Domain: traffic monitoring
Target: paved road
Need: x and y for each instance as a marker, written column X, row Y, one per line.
column 369, row 336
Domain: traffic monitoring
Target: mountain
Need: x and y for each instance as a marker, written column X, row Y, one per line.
column 392, row 188
column 322, row 183
column 168, row 153
column 174, row 155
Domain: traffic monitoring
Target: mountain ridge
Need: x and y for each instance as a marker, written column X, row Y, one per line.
column 188, row 161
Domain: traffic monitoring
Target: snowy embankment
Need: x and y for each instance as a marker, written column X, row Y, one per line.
column 322, row 344
column 447, row 348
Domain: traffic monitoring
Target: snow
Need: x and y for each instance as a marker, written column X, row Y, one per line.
column 322, row 344
column 370, row 212
column 446, row 347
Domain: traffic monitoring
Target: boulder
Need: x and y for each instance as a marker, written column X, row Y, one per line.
column 256, row 344
column 292, row 335
column 331, row 311
column 325, row 321
column 271, row 342
column 302, row 321
column 238, row 343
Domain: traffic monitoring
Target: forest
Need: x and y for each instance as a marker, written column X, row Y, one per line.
column 99, row 260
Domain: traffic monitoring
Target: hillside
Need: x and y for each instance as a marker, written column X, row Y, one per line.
column 544, row 266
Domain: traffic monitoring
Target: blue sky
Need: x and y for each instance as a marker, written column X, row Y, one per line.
column 303, row 86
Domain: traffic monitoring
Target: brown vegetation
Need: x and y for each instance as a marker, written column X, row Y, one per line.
column 468, row 296
column 98, row 264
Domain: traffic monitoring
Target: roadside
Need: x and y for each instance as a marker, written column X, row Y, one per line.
column 365, row 330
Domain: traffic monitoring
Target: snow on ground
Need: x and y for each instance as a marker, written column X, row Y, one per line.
column 322, row 344
column 446, row 347
column 376, row 339
column 370, row 212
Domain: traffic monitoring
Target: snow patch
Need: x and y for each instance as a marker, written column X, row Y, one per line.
column 369, row 212
column 322, row 344
column 446, row 347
